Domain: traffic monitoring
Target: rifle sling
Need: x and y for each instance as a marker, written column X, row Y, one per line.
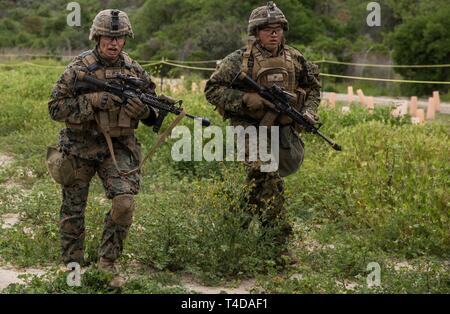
column 163, row 137
column 150, row 153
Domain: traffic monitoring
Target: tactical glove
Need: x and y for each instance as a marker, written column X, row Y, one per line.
column 255, row 102
column 167, row 98
column 136, row 109
column 103, row 100
column 311, row 116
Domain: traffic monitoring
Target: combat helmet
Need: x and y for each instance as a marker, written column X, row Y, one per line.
column 264, row 15
column 111, row 23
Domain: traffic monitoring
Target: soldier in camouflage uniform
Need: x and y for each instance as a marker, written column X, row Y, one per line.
column 268, row 60
column 83, row 151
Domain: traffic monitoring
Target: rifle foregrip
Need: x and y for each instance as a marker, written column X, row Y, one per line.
column 162, row 115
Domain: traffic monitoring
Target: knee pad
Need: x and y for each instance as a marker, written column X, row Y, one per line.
column 122, row 209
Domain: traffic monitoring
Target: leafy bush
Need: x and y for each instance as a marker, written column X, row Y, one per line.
column 423, row 39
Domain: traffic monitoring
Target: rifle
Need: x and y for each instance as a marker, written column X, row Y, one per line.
column 280, row 100
column 132, row 87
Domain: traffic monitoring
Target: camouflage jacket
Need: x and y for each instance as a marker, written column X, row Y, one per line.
column 218, row 90
column 65, row 105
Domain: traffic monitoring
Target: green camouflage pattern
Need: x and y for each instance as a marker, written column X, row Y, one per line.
column 265, row 197
column 74, row 198
column 264, row 15
column 91, row 156
column 218, row 90
column 67, row 106
column 266, row 189
column 102, row 25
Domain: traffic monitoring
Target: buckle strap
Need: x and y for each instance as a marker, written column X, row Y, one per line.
column 247, row 54
column 159, row 142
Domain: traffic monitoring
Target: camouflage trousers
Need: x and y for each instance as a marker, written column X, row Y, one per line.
column 265, row 193
column 74, row 199
column 266, row 199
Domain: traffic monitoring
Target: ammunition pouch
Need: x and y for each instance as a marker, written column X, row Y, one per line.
column 94, row 129
column 61, row 167
column 64, row 169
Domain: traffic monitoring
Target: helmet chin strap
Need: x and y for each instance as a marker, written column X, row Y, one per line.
column 272, row 48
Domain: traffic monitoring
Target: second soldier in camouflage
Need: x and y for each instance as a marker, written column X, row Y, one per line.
column 268, row 60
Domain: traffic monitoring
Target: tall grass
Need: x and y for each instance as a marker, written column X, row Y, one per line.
column 384, row 198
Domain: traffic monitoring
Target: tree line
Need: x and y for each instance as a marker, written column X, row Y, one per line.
column 411, row 31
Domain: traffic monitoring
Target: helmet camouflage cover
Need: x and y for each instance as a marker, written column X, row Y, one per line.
column 268, row 14
column 111, row 23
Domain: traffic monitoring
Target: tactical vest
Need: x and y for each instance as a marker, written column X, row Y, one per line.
column 115, row 122
column 280, row 70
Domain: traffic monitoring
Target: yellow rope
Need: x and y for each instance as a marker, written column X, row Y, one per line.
column 31, row 64
column 385, row 65
column 10, row 64
column 193, row 62
column 215, row 61
column 44, row 66
column 187, row 67
column 36, row 55
column 150, row 64
column 212, row 69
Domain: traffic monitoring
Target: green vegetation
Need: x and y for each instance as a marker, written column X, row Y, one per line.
column 423, row 39
column 383, row 199
column 415, row 33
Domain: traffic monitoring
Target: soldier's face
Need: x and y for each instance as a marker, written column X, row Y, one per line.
column 110, row 47
column 271, row 35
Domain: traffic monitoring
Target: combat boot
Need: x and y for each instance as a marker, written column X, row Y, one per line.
column 109, row 266
column 74, row 257
column 285, row 257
